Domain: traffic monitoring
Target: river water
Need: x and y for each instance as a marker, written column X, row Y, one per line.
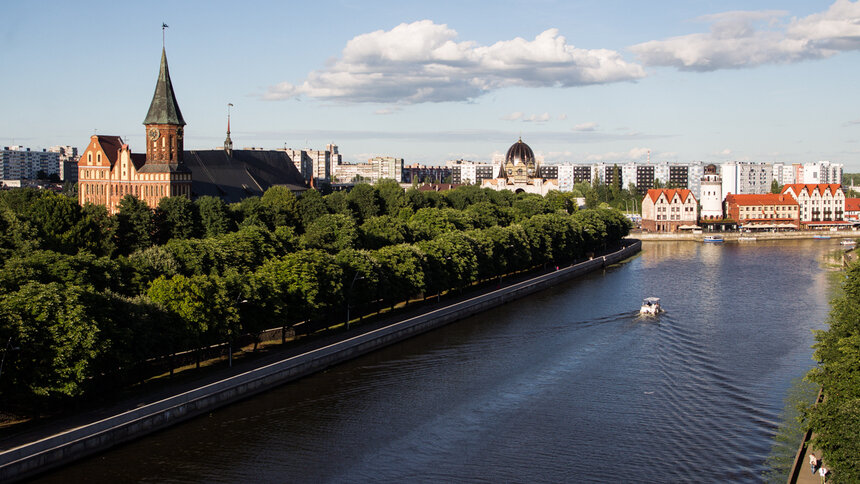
column 566, row 385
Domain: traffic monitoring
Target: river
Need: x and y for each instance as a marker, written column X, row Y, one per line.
column 567, row 385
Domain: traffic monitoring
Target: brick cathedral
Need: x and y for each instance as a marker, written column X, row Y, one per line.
column 108, row 170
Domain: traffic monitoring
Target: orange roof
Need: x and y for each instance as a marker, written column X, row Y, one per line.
column 746, row 199
column 654, row 193
column 810, row 187
column 852, row 204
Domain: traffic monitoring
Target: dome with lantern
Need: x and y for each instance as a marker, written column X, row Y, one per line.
column 520, row 164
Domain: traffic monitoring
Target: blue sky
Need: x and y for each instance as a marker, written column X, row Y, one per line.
column 579, row 81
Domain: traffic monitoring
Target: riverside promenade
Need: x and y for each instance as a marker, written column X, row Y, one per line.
column 61, row 442
column 733, row 236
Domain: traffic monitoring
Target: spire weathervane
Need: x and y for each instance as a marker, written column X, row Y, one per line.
column 164, row 26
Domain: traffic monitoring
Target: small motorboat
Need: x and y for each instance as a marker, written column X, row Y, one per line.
column 747, row 238
column 821, row 237
column 650, row 306
column 714, row 239
column 849, row 242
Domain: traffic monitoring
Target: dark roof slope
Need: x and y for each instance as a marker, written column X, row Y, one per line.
column 164, row 109
column 111, row 146
column 246, row 173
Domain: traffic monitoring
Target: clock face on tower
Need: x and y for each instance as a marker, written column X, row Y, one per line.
column 154, row 134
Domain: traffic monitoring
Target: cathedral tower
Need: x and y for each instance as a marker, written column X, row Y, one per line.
column 164, row 123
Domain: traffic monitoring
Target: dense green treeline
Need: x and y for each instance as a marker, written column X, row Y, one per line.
column 836, row 420
column 86, row 297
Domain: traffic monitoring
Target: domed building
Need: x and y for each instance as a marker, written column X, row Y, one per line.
column 520, row 172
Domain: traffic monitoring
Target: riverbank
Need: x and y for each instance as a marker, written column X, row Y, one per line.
column 52, row 450
column 734, row 236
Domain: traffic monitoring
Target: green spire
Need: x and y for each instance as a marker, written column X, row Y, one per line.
column 164, row 108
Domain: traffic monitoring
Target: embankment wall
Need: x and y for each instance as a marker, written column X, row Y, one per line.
column 37, row 457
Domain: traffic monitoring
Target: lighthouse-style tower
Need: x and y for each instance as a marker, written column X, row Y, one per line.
column 164, row 123
column 711, row 194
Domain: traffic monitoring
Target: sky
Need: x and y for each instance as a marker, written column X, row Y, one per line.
column 580, row 82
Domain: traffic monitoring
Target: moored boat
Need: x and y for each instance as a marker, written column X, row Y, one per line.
column 850, row 242
column 713, row 238
column 821, row 237
column 747, row 238
column 650, row 306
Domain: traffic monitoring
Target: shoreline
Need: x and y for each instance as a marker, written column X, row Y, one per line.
column 733, row 236
column 100, row 434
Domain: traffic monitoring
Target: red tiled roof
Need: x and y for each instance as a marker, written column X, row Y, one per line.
column 852, row 204
column 746, row 199
column 654, row 193
column 810, row 187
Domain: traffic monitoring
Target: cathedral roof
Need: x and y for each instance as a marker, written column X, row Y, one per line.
column 243, row 174
column 520, row 152
column 164, row 109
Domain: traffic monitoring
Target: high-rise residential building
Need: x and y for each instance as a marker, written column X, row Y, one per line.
column 19, row 163
column 68, row 162
column 583, row 173
column 566, row 177
column 822, row 172
column 386, row 167
column 745, row 177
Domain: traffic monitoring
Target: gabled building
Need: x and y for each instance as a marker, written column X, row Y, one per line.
column 820, row 204
column 668, row 210
column 852, row 209
column 769, row 211
column 108, row 170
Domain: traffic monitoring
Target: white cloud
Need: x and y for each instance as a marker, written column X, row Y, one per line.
column 386, row 111
column 589, row 126
column 520, row 116
column 632, row 155
column 741, row 39
column 422, row 62
column 515, row 116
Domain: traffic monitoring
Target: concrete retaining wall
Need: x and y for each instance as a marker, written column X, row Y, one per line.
column 40, row 456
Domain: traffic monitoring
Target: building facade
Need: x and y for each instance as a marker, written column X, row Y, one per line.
column 108, row 170
column 520, row 173
column 818, row 202
column 763, row 211
column 19, row 163
column 669, row 210
column 711, row 194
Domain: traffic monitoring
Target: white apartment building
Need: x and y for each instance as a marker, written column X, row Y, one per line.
column 68, row 162
column 18, row 163
column 565, row 177
column 316, row 164
column 386, row 167
column 745, row 177
column 822, row 172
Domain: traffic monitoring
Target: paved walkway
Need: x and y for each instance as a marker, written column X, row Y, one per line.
column 806, row 476
column 12, row 438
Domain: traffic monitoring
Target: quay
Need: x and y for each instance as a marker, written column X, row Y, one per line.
column 67, row 445
column 733, row 236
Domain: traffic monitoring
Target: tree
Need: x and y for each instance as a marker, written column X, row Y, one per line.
column 177, row 217
column 282, row 206
column 331, row 232
column 94, row 231
column 402, row 276
column 377, row 232
column 307, row 283
column 529, row 204
column 200, row 303
column 311, row 206
column 56, row 339
column 363, row 201
column 775, row 187
column 134, row 225
column 391, row 195
column 337, row 203
column 214, row 216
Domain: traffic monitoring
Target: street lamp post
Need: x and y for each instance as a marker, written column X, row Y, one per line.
column 349, row 295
